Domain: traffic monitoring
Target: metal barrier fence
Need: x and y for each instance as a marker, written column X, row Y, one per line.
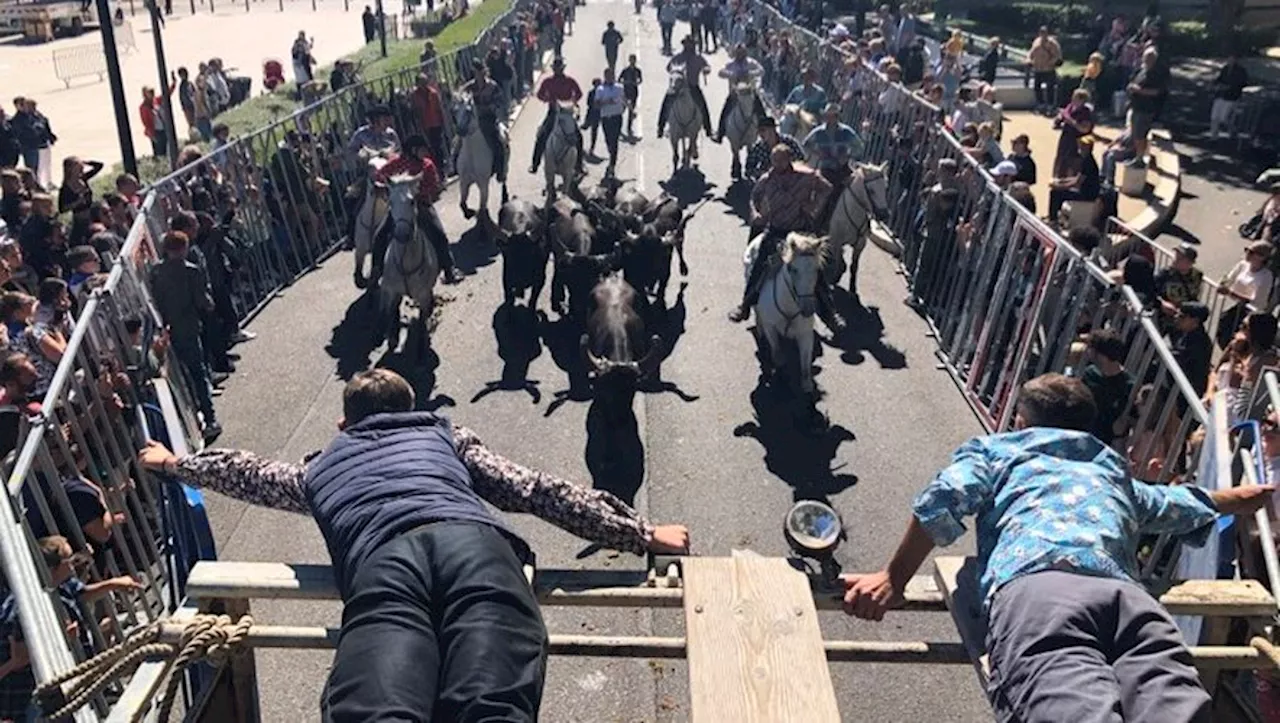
column 74, row 472
column 1006, row 296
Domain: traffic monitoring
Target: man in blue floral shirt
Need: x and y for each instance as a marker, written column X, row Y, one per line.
column 1070, row 634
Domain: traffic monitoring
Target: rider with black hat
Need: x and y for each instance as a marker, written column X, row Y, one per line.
column 489, row 101
column 416, row 160
column 694, row 67
column 559, row 88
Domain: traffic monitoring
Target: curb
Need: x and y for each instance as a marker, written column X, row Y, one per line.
column 882, row 237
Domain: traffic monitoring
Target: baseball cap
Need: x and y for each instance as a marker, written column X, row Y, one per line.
column 1006, row 168
column 1187, row 250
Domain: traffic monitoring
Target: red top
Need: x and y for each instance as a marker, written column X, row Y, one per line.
column 559, row 88
column 427, row 102
column 148, row 112
column 428, row 186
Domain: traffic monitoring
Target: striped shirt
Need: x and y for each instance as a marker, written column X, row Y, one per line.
column 758, row 156
column 785, row 199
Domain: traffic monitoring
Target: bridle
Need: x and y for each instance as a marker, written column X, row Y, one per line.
column 796, row 297
column 567, row 136
column 867, row 208
column 412, row 224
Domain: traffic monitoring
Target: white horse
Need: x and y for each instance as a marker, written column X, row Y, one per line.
column 411, row 266
column 741, row 126
column 788, row 301
column 475, row 158
column 865, row 197
column 561, row 157
column 796, row 121
column 371, row 214
column 685, row 121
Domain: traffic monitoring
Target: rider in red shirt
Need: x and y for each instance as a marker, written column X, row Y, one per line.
column 557, row 88
column 416, row 160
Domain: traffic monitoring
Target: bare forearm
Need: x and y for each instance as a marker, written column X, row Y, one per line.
column 912, row 551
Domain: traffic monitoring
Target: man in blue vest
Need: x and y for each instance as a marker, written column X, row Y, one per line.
column 439, row 622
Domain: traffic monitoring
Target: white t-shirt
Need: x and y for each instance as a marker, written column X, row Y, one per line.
column 1250, row 284
column 609, row 100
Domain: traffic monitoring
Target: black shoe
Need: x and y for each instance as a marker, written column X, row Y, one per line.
column 233, row 356
column 217, row 378
column 212, row 431
column 227, row 368
column 739, row 314
column 451, row 276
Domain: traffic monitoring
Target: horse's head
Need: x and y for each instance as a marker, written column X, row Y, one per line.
column 745, row 93
column 875, row 180
column 373, row 165
column 566, row 117
column 464, row 112
column 803, row 257
column 679, row 83
column 402, row 190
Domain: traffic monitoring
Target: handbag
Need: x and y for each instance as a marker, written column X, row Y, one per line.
column 1251, row 230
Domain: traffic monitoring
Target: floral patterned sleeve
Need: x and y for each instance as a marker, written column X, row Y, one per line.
column 591, row 514
column 247, row 477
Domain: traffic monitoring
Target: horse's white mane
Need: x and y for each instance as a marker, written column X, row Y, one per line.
column 803, row 244
column 402, row 178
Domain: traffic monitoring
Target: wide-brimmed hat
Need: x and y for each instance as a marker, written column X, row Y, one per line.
column 1188, row 251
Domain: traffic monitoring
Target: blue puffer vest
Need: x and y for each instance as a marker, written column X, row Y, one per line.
column 384, row 476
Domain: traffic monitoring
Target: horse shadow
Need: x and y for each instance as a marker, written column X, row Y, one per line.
column 737, row 199
column 357, row 335
column 864, row 334
column 688, row 186
column 562, row 339
column 799, row 457
column 419, row 369
column 474, row 250
column 516, row 330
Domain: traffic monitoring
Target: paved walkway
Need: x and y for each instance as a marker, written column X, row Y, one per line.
column 722, row 460
column 82, row 116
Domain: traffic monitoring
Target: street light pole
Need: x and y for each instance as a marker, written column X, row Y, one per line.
column 117, row 88
column 382, row 29
column 165, row 106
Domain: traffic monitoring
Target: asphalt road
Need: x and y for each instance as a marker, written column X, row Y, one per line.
column 712, row 460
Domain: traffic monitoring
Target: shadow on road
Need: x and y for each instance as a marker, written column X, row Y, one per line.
column 516, row 330
column 474, row 250
column 802, row 460
column 356, row 336
column 864, row 335
column 737, row 199
column 615, row 452
column 417, row 362
column 688, row 186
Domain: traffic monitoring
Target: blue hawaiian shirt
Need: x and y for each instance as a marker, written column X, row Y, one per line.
column 1054, row 499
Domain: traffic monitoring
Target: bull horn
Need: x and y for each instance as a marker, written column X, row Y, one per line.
column 670, row 238
column 594, row 363
column 649, row 362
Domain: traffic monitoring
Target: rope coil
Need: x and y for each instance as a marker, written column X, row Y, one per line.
column 204, row 637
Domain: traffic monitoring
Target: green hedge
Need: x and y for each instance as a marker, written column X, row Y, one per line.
column 1030, row 16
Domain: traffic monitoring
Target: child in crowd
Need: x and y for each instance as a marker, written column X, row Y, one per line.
column 1092, row 70
column 17, row 681
column 84, row 263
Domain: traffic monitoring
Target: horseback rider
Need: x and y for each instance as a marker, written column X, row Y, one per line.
column 488, row 101
column 695, row 66
column 780, row 204
column 376, row 135
column 768, row 136
column 808, row 95
column 559, row 88
column 416, row 161
column 741, row 69
column 833, row 148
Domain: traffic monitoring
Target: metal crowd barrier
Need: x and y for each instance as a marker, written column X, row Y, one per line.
column 1005, row 295
column 113, row 388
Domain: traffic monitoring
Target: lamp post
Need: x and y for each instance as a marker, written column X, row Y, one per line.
column 165, row 106
column 382, row 29
column 117, row 88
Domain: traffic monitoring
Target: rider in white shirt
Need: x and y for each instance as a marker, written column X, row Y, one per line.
column 741, row 68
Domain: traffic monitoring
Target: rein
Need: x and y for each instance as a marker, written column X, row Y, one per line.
column 795, row 297
column 412, row 223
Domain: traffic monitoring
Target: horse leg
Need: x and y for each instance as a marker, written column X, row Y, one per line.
column 675, row 154
column 361, row 282
column 557, row 291
column 736, row 169
column 550, row 172
column 858, row 248
column 464, row 193
column 391, row 311
column 804, row 347
column 484, row 199
column 684, row 267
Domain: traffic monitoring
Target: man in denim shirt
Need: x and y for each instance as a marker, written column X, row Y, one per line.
column 832, row 148
column 1071, row 636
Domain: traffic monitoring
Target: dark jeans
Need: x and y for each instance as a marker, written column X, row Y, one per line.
column 1068, row 647
column 666, row 36
column 612, row 127
column 544, row 132
column 489, row 129
column 190, row 353
column 1059, row 196
column 439, row 624
column 732, row 102
column 838, row 178
column 160, row 144
column 430, row 224
column 1046, row 87
column 698, row 98
column 31, row 158
column 218, row 328
column 436, row 147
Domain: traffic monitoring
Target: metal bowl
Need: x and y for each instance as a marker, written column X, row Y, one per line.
column 813, row 528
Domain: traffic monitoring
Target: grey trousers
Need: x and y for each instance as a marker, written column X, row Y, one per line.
column 1068, row 647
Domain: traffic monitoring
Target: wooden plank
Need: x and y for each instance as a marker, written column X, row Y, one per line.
column 958, row 580
column 754, row 647
column 1219, row 598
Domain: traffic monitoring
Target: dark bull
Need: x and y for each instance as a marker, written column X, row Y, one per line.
column 577, row 268
column 522, row 238
column 615, row 347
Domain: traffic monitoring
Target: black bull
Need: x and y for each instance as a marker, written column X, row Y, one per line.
column 615, row 345
column 522, row 238
column 647, row 233
column 578, row 265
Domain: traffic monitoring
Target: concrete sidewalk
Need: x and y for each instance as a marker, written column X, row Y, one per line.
column 82, row 115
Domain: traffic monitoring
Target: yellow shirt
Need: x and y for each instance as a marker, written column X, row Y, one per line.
column 955, row 45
